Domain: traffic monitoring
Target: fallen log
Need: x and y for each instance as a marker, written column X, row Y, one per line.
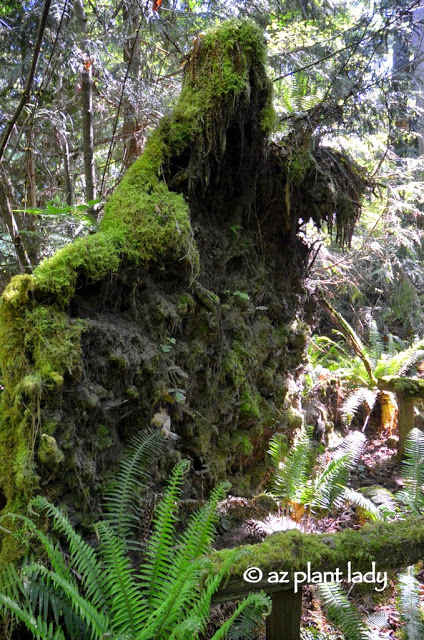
column 287, row 561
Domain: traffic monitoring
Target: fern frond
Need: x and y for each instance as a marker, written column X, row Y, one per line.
column 381, row 498
column 83, row 556
column 53, row 553
column 413, row 471
column 199, row 611
column 376, row 342
column 127, row 606
column 291, row 471
column 354, row 401
column 278, row 449
column 122, row 496
column 175, row 590
column 96, row 621
column 200, row 531
column 341, row 612
column 40, row 629
column 353, row 446
column 160, row 548
column 410, row 605
column 365, row 504
column 330, row 484
column 257, row 605
column 401, row 362
column 50, row 601
column 377, row 620
column 11, row 583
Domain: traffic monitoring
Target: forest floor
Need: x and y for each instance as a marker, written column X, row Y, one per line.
column 378, row 466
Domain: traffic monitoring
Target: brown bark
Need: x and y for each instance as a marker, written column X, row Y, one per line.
column 31, row 187
column 13, row 222
column 87, row 108
column 132, row 129
column 408, row 391
column 283, row 623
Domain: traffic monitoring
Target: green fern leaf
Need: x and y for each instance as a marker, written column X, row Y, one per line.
column 410, row 605
column 413, row 471
column 341, row 612
column 160, row 549
column 97, row 621
column 258, row 605
column 127, row 606
column 83, row 557
column 122, row 496
column 291, row 470
column 354, row 401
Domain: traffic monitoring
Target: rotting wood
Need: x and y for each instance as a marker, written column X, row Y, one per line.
column 408, row 391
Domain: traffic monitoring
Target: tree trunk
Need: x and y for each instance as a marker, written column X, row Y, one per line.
column 406, row 421
column 418, row 71
column 132, row 129
column 13, row 222
column 31, row 200
column 191, row 295
column 69, row 185
column 87, row 108
column 408, row 391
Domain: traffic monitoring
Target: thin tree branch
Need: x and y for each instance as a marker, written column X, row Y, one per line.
column 28, row 85
column 351, row 45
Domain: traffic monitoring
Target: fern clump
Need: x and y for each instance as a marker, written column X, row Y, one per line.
column 302, row 484
column 100, row 593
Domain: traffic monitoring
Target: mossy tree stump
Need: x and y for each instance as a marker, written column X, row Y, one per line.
column 408, row 391
column 188, row 301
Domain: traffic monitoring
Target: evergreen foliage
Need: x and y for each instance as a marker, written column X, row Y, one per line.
column 412, row 495
column 100, row 593
column 410, row 605
column 302, row 483
column 341, row 612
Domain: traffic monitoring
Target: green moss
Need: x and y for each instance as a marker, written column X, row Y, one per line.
column 242, row 442
column 249, row 407
column 300, row 162
column 186, row 304
column 89, row 259
column 49, row 452
column 390, row 545
column 144, row 223
column 39, row 345
column 268, row 115
column 412, row 388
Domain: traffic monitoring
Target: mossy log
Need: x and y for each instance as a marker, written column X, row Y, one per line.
column 188, row 302
column 408, row 391
column 391, row 545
